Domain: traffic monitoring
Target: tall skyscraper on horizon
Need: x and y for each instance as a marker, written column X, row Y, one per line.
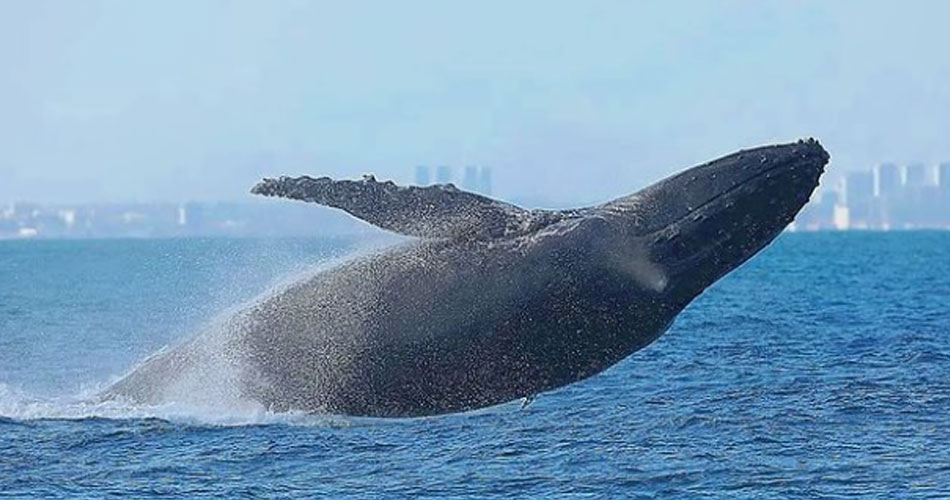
column 888, row 179
column 944, row 174
column 443, row 174
column 422, row 175
column 916, row 175
column 858, row 196
column 484, row 182
column 470, row 179
column 858, row 187
column 191, row 216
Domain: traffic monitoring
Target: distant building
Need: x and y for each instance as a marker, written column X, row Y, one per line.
column 191, row 216
column 484, row 183
column 182, row 215
column 858, row 194
column 474, row 178
column 68, row 217
column 443, row 174
column 832, row 198
column 858, row 187
column 916, row 175
column 842, row 218
column 423, row 178
column 20, row 208
column 943, row 174
column 819, row 213
column 888, row 180
column 944, row 180
column 470, row 179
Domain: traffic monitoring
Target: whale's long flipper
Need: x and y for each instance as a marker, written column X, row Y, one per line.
column 439, row 211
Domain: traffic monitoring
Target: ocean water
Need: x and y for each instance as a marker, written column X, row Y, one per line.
column 819, row 369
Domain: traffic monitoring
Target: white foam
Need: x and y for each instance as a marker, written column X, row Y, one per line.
column 19, row 405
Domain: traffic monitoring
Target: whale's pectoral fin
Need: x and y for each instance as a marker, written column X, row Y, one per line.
column 439, row 211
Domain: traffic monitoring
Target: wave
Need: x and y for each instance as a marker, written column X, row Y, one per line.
column 17, row 405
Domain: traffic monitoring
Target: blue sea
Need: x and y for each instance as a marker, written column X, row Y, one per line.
column 820, row 369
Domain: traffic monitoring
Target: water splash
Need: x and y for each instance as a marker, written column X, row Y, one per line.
column 20, row 406
column 206, row 393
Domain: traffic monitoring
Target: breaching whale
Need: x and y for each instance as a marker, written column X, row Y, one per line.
column 491, row 302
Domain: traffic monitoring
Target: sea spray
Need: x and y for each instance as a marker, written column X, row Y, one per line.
column 209, row 393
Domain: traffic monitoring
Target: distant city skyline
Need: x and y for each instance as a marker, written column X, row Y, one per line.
column 115, row 101
column 474, row 178
column 889, row 196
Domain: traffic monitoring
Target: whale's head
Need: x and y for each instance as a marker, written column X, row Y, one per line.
column 694, row 227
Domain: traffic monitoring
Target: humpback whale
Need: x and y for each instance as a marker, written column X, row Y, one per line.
column 490, row 302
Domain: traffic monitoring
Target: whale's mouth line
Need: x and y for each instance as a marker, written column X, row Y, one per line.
column 732, row 189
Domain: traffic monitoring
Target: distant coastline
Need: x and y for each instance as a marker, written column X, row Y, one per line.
column 20, row 221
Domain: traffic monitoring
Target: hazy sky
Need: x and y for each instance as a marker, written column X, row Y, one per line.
column 180, row 100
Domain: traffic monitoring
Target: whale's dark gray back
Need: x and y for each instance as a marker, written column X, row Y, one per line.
column 497, row 302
